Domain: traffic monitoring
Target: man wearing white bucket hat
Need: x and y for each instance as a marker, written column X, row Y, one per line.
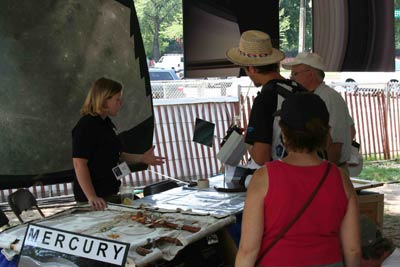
column 260, row 61
column 308, row 70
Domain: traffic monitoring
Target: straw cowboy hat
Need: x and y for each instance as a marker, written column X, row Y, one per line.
column 255, row 49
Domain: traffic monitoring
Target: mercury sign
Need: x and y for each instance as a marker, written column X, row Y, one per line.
column 80, row 246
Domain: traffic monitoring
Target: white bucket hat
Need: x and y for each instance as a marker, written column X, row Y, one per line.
column 306, row 58
column 255, row 49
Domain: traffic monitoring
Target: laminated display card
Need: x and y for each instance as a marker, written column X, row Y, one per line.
column 46, row 246
column 121, row 170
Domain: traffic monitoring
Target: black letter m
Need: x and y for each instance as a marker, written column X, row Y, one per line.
column 33, row 235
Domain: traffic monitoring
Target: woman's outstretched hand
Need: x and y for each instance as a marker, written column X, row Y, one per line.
column 150, row 159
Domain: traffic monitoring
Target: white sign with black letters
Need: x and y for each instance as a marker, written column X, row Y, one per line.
column 97, row 249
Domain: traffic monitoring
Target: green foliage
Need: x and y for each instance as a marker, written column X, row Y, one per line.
column 383, row 171
column 159, row 22
column 291, row 11
column 174, row 30
column 174, row 35
column 289, row 26
column 284, row 27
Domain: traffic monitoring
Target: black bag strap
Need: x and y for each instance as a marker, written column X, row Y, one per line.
column 298, row 215
column 284, row 92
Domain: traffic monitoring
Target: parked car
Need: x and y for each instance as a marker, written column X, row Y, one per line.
column 163, row 85
column 158, row 74
column 171, row 61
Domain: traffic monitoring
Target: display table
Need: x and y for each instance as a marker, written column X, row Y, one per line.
column 199, row 201
column 152, row 234
column 156, row 227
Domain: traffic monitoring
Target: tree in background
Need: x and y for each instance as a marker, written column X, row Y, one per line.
column 159, row 21
column 174, row 35
column 289, row 26
column 284, row 27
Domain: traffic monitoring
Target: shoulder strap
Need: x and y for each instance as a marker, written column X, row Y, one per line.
column 282, row 89
column 285, row 88
column 298, row 215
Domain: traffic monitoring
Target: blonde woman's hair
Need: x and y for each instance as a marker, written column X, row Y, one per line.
column 101, row 90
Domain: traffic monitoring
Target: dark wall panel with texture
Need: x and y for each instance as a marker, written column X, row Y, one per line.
column 51, row 51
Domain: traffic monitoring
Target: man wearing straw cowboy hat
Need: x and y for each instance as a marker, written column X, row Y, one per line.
column 260, row 61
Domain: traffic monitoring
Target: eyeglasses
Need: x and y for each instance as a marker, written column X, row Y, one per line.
column 294, row 74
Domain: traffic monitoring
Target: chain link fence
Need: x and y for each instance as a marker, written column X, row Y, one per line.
column 195, row 88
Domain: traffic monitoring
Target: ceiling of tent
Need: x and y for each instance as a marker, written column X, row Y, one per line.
column 351, row 35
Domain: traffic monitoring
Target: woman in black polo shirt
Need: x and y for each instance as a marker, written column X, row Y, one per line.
column 96, row 148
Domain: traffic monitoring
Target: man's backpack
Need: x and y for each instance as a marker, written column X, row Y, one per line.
column 283, row 88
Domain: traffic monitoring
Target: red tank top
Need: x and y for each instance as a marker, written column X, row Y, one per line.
column 314, row 238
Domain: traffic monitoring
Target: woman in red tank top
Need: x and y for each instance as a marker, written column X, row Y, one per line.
column 327, row 232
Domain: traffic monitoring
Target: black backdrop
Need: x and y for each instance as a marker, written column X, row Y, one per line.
column 51, row 51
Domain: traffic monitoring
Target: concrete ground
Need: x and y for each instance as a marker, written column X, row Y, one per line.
column 391, row 219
